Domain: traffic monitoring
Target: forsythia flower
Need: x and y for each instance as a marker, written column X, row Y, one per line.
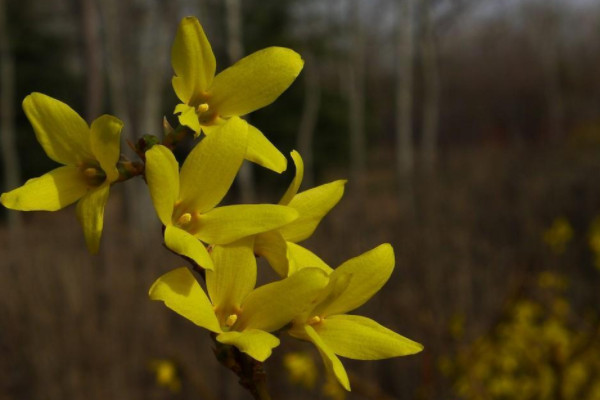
column 89, row 155
column 166, row 374
column 252, row 83
column 238, row 313
column 185, row 201
column 336, row 333
column 279, row 246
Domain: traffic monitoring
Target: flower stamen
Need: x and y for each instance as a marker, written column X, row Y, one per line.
column 314, row 320
column 231, row 320
column 202, row 108
column 184, row 219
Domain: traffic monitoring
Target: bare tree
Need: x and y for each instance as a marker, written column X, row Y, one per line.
column 356, row 96
column 94, row 94
column 235, row 51
column 431, row 87
column 404, row 92
column 10, row 156
column 310, row 114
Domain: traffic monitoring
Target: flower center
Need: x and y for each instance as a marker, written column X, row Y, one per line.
column 93, row 175
column 314, row 320
column 206, row 116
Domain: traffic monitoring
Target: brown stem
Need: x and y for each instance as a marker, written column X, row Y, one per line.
column 250, row 372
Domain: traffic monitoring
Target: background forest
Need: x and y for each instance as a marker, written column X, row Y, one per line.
column 469, row 131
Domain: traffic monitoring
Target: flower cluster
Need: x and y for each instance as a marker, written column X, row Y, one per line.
column 311, row 300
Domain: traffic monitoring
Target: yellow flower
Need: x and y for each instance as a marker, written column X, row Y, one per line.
column 279, row 246
column 185, row 201
column 335, row 333
column 238, row 313
column 301, row 369
column 558, row 235
column 252, row 83
column 89, row 155
column 166, row 374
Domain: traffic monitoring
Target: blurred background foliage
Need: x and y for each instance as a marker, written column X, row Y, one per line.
column 470, row 134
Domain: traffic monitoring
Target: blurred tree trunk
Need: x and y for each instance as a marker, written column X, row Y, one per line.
column 356, row 98
column 94, row 95
column 404, row 96
column 310, row 114
column 12, row 176
column 118, row 85
column 550, row 60
column 431, row 88
column 235, row 51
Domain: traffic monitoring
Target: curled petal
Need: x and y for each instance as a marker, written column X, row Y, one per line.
column 297, row 181
column 162, row 176
column 50, row 192
column 272, row 306
column 188, row 117
column 312, row 206
column 256, row 343
column 300, row 257
column 254, row 81
column 187, row 245
column 233, row 277
column 63, row 134
column 362, row 277
column 210, row 168
column 193, row 60
column 90, row 214
column 262, row 152
column 361, row 338
column 273, row 247
column 180, row 292
column 332, row 362
column 105, row 135
column 227, row 224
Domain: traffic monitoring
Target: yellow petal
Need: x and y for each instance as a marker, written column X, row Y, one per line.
column 210, row 168
column 273, row 247
column 367, row 273
column 233, row 277
column 361, row 338
column 105, row 136
column 227, row 224
column 312, row 206
column 193, row 60
column 63, row 134
column 50, row 192
column 272, row 306
column 180, row 292
column 297, row 181
column 188, row 117
column 256, row 343
column 255, row 81
column 187, row 245
column 162, row 176
column 262, row 152
column 332, row 362
column 90, row 214
column 300, row 257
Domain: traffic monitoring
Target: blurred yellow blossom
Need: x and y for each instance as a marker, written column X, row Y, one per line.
column 558, row 235
column 301, row 369
column 166, row 374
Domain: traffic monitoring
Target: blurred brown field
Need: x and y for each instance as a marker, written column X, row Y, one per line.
column 80, row 326
column 469, row 131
